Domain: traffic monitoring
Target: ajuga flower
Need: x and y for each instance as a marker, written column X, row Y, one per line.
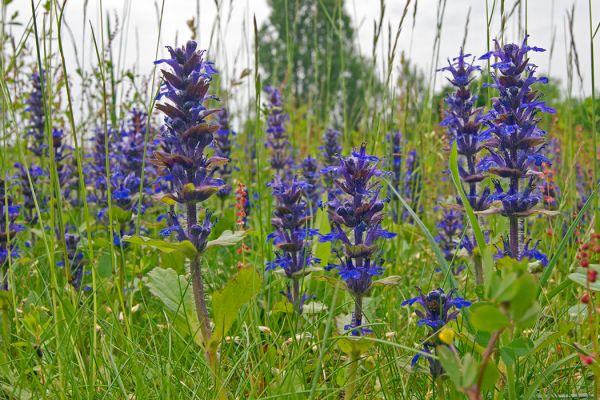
column 439, row 308
column 35, row 108
column 465, row 126
column 331, row 149
column 75, row 260
column 222, row 145
column 95, row 170
column 9, row 212
column 130, row 146
column 277, row 139
column 412, row 182
column 450, row 228
column 35, row 173
column 356, row 215
column 516, row 147
column 65, row 166
column 292, row 235
column 186, row 135
column 313, row 190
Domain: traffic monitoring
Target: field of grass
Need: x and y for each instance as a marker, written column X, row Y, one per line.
column 300, row 221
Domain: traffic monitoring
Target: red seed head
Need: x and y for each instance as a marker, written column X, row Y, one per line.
column 586, row 360
column 584, row 263
column 585, row 298
column 592, row 275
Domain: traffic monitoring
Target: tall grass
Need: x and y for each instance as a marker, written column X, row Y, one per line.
column 116, row 341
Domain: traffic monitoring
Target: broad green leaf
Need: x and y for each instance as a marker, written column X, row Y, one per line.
column 176, row 294
column 580, row 277
column 490, row 376
column 332, row 281
column 488, row 318
column 524, row 306
column 104, row 266
column 354, row 344
column 391, row 280
column 228, row 301
column 227, row 238
column 185, row 247
column 451, row 364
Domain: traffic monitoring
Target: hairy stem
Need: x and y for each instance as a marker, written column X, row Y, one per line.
column 197, row 281
column 474, row 392
column 351, row 376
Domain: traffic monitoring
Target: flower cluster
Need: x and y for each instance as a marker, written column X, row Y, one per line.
column 356, row 215
column 222, row 145
column 436, row 313
column 465, row 126
column 292, row 235
column 331, row 150
column 35, row 173
column 9, row 212
column 313, row 190
column 450, row 228
column 242, row 206
column 412, row 182
column 75, row 260
column 187, row 132
column 35, row 108
column 277, row 139
column 516, row 146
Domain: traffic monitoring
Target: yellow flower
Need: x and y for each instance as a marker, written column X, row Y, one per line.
column 446, row 335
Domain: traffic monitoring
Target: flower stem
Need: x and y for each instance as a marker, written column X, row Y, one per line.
column 358, row 311
column 197, row 281
column 351, row 375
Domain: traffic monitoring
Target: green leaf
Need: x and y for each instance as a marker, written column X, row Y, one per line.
column 176, row 294
column 227, row 238
column 354, row 344
column 185, row 247
column 524, row 306
column 488, row 318
column 452, row 365
column 228, row 301
column 580, row 277
column 104, row 266
column 391, row 280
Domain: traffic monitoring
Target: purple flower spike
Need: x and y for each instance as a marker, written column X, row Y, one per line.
column 292, row 235
column 356, row 214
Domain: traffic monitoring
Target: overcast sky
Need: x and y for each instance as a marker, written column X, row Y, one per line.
column 546, row 20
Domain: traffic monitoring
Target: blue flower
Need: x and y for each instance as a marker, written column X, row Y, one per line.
column 356, row 213
column 292, row 234
column 277, row 139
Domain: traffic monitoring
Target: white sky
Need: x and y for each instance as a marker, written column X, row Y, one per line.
column 546, row 18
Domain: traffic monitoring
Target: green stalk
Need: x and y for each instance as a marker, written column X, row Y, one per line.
column 594, row 118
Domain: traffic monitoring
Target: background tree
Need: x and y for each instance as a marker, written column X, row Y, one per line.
column 309, row 47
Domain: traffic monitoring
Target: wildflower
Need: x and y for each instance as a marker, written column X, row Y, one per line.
column 356, row 215
column 75, row 260
column 35, row 173
column 412, row 182
column 291, row 236
column 222, row 146
column 517, row 143
column 185, row 137
column 242, row 206
column 450, row 228
column 9, row 228
column 35, row 108
column 331, row 149
column 277, row 139
column 310, row 172
column 439, row 308
column 464, row 122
